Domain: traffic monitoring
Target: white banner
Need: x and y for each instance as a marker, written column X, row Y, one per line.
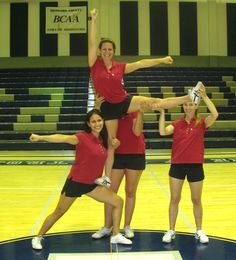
column 66, row 19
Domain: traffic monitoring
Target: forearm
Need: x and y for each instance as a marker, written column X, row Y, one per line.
column 162, row 123
column 138, row 124
column 92, row 50
column 93, row 33
column 55, row 138
column 210, row 105
column 145, row 63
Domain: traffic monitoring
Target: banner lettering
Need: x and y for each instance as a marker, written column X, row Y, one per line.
column 66, row 19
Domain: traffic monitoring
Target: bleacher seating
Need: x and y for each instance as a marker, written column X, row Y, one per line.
column 42, row 101
column 169, row 82
column 55, row 100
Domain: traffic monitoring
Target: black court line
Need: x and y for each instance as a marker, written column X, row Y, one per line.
column 144, row 241
column 69, row 162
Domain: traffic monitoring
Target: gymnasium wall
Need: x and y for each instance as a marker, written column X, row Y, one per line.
column 197, row 31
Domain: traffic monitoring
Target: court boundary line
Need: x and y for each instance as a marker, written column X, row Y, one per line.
column 173, row 253
column 49, row 201
column 164, row 190
column 41, row 162
column 92, row 231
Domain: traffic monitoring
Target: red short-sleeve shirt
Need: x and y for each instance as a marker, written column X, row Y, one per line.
column 188, row 142
column 129, row 142
column 109, row 83
column 90, row 158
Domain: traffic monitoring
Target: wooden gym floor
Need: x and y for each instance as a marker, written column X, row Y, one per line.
column 31, row 183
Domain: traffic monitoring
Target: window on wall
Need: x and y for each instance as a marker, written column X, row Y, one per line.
column 48, row 42
column 129, row 28
column 159, row 28
column 188, row 28
column 18, row 29
column 231, row 29
column 79, row 41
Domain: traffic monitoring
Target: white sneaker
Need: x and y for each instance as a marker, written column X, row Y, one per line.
column 103, row 181
column 194, row 93
column 37, row 243
column 120, row 239
column 168, row 236
column 104, row 231
column 129, row 233
column 203, row 238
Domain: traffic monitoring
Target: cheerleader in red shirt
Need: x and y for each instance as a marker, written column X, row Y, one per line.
column 187, row 160
column 129, row 162
column 107, row 77
column 89, row 162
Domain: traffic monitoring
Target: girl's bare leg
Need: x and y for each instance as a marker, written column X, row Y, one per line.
column 174, row 101
column 113, row 143
column 140, row 102
column 196, row 193
column 106, row 195
column 116, row 178
column 63, row 205
column 132, row 180
column 175, row 190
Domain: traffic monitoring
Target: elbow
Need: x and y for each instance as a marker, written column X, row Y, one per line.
column 162, row 133
column 90, row 63
column 216, row 115
column 137, row 133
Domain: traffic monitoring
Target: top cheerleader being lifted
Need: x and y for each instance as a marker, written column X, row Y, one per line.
column 107, row 77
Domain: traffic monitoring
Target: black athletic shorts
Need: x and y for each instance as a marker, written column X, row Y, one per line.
column 129, row 161
column 115, row 111
column 76, row 189
column 194, row 172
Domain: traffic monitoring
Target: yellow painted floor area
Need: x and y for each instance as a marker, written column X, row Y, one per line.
column 29, row 193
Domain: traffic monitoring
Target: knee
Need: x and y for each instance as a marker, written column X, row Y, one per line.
column 175, row 200
column 130, row 192
column 196, row 201
column 119, row 202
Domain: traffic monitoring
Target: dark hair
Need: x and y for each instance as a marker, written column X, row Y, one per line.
column 103, row 40
column 103, row 133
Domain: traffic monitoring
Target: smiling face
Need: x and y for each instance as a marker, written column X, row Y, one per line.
column 96, row 124
column 107, row 50
column 190, row 109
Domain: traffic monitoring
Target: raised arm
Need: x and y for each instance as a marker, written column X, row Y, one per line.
column 98, row 101
column 92, row 48
column 138, row 124
column 55, row 138
column 145, row 63
column 164, row 130
column 210, row 119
